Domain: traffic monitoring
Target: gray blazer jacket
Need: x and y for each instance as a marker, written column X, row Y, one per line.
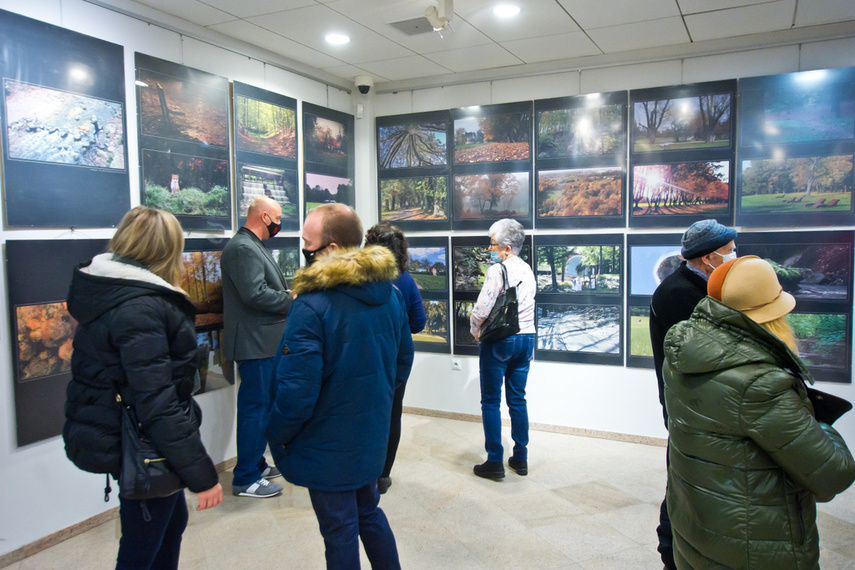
column 254, row 297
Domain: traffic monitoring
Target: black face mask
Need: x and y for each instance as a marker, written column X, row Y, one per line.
column 311, row 255
column 273, row 228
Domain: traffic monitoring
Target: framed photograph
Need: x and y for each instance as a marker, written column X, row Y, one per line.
column 435, row 337
column 825, row 344
column 286, row 253
column 418, row 140
column 63, row 125
column 494, row 133
column 484, row 198
column 184, row 143
column 325, row 189
column 581, row 197
column 38, row 274
column 327, row 140
column 428, row 266
column 265, row 126
column 591, row 125
column 464, row 343
column 639, row 333
column 579, row 333
column 415, row 203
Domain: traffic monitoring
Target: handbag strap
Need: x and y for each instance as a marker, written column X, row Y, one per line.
column 506, row 285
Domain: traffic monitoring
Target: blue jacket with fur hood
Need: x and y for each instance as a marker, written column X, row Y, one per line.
column 346, row 346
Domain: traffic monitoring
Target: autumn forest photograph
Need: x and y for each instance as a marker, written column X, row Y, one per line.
column 492, row 196
column 494, row 138
column 203, row 282
column 681, row 188
column 580, row 192
column 265, row 128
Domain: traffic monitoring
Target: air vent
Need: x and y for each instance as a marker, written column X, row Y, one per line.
column 413, row 27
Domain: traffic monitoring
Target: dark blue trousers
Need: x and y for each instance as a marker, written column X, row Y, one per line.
column 151, row 532
column 255, row 398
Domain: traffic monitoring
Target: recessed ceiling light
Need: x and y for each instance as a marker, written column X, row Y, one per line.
column 506, row 10
column 337, row 39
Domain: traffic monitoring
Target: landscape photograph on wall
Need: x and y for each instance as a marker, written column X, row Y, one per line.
column 796, row 185
column 578, row 269
column 639, row 332
column 265, row 128
column 279, row 184
column 578, row 328
column 326, row 141
column 581, row 131
column 492, row 196
column 580, row 192
column 215, row 372
column 650, row 264
column 50, row 125
column 416, row 198
column 462, row 336
column 436, row 323
column 323, row 189
column 428, row 267
column 181, row 109
column 822, row 338
column 684, row 123
column 701, row 187
column 202, row 280
column 472, row 262
column 412, row 145
column 185, row 185
column 44, row 340
column 288, row 260
column 799, row 114
column 808, row 271
column 492, row 138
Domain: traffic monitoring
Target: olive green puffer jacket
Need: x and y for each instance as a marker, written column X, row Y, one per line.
column 748, row 461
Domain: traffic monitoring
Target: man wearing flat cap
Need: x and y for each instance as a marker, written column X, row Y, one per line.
column 705, row 245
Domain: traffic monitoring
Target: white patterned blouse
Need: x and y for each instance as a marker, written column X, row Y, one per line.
column 520, row 275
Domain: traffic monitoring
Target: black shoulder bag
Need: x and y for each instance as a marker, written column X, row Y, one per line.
column 504, row 317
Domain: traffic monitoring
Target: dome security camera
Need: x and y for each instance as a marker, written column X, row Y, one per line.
column 363, row 83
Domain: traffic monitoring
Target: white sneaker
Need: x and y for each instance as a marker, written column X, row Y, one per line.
column 261, row 489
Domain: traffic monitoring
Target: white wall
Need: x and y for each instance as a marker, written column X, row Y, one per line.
column 41, row 492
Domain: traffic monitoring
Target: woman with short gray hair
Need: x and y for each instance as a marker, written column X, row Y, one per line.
column 506, row 360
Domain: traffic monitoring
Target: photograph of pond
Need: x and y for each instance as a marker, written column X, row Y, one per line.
column 419, row 198
column 280, row 184
column 322, row 189
column 808, row 271
column 580, row 192
column 472, row 262
column 578, row 328
column 326, row 141
column 580, row 131
column 701, row 187
column 650, row 264
column 436, row 325
column 412, row 144
column 590, row 269
column 492, row 138
column 185, row 185
column 822, row 339
column 796, row 185
column 45, row 333
column 492, row 196
column 429, row 268
column 462, row 336
column 265, row 128
column 50, row 125
column 639, row 332
column 699, row 122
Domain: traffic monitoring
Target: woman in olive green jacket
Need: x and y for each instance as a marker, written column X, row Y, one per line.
column 748, row 459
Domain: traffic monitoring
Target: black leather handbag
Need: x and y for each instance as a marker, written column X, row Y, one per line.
column 827, row 407
column 504, row 317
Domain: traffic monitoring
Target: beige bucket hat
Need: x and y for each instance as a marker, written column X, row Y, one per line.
column 749, row 284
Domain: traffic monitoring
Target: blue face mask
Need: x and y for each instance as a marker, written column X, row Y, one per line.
column 495, row 257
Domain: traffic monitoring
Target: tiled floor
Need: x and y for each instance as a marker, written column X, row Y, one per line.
column 586, row 503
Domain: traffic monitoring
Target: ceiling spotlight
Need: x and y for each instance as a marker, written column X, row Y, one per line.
column 337, row 39
column 506, row 10
column 440, row 15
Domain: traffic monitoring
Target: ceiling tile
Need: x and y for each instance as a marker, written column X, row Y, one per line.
column 248, row 8
column 536, row 18
column 602, row 13
column 695, row 6
column 191, row 10
column 471, row 59
column 405, row 68
column 769, row 17
column 347, row 71
column 640, row 35
column 824, row 12
column 309, row 26
column 549, row 48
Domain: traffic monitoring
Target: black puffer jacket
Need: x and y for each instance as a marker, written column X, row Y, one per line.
column 135, row 331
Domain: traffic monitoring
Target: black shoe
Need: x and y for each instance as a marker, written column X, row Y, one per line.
column 490, row 470
column 383, row 484
column 521, row 467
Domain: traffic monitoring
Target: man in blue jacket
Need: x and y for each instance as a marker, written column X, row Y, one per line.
column 345, row 348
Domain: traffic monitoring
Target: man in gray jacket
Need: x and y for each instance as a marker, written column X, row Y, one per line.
column 256, row 302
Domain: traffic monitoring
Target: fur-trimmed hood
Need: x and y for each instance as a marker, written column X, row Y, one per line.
column 347, row 268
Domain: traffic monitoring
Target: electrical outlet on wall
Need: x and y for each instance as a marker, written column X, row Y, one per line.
column 455, row 364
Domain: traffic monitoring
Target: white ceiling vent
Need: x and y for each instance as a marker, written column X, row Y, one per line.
column 413, row 27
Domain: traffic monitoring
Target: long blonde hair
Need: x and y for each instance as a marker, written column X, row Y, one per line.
column 782, row 329
column 152, row 237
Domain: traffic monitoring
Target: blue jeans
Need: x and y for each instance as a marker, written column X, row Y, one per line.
column 154, row 543
column 255, row 398
column 506, row 360
column 346, row 516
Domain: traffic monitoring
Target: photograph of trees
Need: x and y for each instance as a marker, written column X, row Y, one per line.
column 808, row 271
column 185, row 185
column 650, row 264
column 796, row 185
column 44, row 340
column 639, row 332
column 265, row 128
column 49, row 125
column 182, row 110
column 288, row 260
column 492, row 196
column 681, row 188
column 203, row 282
column 822, row 339
column 578, row 268
column 578, row 328
column 580, row 192
column 583, row 131
column 412, row 145
column 322, row 189
column 472, row 262
column 462, row 336
column 494, row 138
column 279, row 184
column 679, row 124
column 414, row 199
column 326, row 141
column 429, row 268
column 807, row 114
column 436, row 325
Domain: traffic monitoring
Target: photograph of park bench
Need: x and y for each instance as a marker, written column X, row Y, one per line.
column 185, row 185
column 580, row 192
column 492, row 196
column 265, row 128
column 429, row 267
column 593, row 130
column 578, row 328
column 412, row 144
column 326, row 141
column 322, row 189
column 492, row 137
column 280, row 184
column 414, row 199
column 578, row 269
column 672, row 124
column 796, row 185
column 701, row 187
